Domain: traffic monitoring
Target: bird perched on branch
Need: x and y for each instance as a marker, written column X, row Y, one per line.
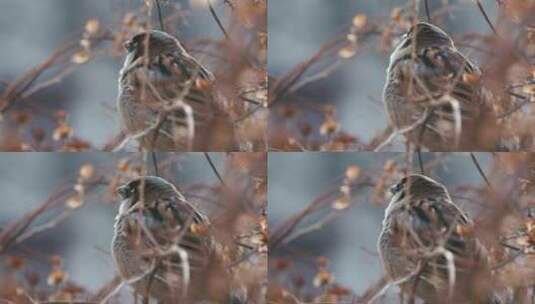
column 427, row 244
column 434, row 96
column 168, row 101
column 162, row 245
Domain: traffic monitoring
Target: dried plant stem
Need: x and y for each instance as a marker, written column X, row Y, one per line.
column 479, row 169
column 214, row 169
column 314, row 227
column 155, row 163
column 420, row 161
column 217, row 20
column 397, row 282
column 160, row 18
column 426, row 3
column 108, row 290
column 400, row 132
column 487, row 19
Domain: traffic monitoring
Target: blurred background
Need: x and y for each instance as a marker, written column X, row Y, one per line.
column 82, row 240
column 299, row 28
column 33, row 30
column 296, row 180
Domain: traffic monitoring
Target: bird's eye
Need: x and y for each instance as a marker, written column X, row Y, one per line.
column 396, row 188
column 130, row 45
column 124, row 191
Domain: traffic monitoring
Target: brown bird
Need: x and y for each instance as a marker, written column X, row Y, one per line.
column 433, row 94
column 426, row 243
column 168, row 101
column 162, row 245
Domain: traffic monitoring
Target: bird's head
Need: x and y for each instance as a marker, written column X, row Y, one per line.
column 146, row 189
column 156, row 42
column 417, row 186
column 423, row 35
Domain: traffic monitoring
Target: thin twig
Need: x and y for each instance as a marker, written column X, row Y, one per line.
column 217, row 20
column 46, row 226
column 516, row 107
column 160, row 18
column 397, row 282
column 155, row 163
column 479, row 169
column 318, row 225
column 478, row 2
column 284, row 84
column 401, row 131
column 214, row 169
column 427, row 11
column 324, row 73
column 420, row 161
column 108, row 290
column 19, row 86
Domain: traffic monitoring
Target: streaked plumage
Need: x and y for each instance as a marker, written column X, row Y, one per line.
column 434, row 88
column 161, row 80
column 420, row 219
column 153, row 218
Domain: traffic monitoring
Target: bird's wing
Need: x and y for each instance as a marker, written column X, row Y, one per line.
column 172, row 75
column 178, row 222
column 193, row 67
column 183, row 67
column 435, row 220
column 182, row 77
column 166, row 236
column 438, row 222
column 441, row 71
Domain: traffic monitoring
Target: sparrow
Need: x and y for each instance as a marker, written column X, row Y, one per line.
column 434, row 96
column 162, row 245
column 427, row 243
column 168, row 101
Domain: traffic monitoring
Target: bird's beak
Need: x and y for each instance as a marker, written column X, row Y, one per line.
column 122, row 191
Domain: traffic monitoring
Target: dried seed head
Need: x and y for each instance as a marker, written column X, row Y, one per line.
column 80, row 57
column 87, row 171
column 352, row 173
column 92, row 27
column 323, row 278
column 56, row 277
column 342, row 202
column 329, row 127
column 360, row 21
column 348, row 51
